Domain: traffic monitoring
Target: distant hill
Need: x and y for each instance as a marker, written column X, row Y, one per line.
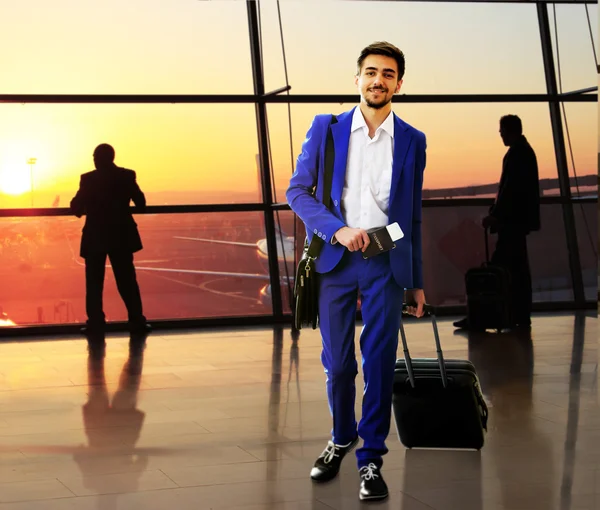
column 546, row 185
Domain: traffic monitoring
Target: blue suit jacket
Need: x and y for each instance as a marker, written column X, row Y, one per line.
column 405, row 194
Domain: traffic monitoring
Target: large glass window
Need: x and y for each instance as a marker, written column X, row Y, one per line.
column 586, row 225
column 453, row 242
column 182, row 272
column 575, row 50
column 447, row 45
column 183, row 154
column 288, row 227
column 132, row 47
column 582, row 129
column 464, row 147
column 198, row 265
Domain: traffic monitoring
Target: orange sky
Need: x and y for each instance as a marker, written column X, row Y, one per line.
column 186, row 46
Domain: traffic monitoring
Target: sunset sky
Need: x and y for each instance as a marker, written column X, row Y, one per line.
column 202, row 47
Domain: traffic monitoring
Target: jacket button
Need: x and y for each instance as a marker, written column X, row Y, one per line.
column 335, row 202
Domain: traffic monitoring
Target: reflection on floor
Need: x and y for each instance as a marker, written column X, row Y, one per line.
column 235, row 419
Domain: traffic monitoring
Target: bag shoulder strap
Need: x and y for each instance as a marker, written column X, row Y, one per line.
column 329, row 161
column 317, row 243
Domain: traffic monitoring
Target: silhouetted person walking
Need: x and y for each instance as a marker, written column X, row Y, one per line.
column 104, row 197
column 515, row 213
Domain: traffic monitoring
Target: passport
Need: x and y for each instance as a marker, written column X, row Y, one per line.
column 382, row 240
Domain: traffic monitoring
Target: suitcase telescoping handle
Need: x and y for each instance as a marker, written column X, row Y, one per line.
column 428, row 309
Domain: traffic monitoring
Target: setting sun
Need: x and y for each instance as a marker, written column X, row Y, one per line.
column 15, row 180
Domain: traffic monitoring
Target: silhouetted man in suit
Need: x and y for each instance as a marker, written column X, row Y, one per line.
column 104, row 196
column 515, row 213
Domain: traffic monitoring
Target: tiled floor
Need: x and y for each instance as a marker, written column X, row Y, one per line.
column 235, row 419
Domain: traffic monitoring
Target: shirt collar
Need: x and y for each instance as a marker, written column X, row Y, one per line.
column 358, row 121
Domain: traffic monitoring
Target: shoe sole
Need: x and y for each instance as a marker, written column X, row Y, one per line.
column 373, row 498
column 323, row 480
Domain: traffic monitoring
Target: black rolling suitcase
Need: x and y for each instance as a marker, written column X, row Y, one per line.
column 489, row 301
column 438, row 403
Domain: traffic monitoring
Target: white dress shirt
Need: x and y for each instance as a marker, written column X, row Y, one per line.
column 366, row 194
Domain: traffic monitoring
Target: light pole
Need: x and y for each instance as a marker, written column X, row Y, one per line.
column 31, row 162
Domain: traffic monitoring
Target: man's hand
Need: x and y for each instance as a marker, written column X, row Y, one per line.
column 415, row 296
column 490, row 222
column 353, row 238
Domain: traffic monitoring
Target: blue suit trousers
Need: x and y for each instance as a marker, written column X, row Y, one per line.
column 381, row 306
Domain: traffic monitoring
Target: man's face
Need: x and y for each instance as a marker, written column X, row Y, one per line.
column 378, row 80
column 101, row 159
column 506, row 136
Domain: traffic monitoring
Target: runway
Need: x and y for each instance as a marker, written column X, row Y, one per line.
column 42, row 275
column 43, row 278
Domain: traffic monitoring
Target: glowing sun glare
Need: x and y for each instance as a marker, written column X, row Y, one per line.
column 14, row 181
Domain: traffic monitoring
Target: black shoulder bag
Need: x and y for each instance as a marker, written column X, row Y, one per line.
column 306, row 306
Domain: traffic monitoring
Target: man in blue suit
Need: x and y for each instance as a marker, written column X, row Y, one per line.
column 377, row 180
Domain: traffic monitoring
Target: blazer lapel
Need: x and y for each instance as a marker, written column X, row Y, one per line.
column 341, row 140
column 402, row 141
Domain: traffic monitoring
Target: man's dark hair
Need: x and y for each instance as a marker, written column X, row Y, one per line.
column 382, row 48
column 512, row 124
column 105, row 153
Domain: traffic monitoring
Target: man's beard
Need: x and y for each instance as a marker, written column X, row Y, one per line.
column 377, row 106
column 383, row 102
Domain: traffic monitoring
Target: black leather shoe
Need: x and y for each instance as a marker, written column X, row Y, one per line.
column 140, row 329
column 92, row 329
column 372, row 484
column 523, row 322
column 462, row 323
column 328, row 464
